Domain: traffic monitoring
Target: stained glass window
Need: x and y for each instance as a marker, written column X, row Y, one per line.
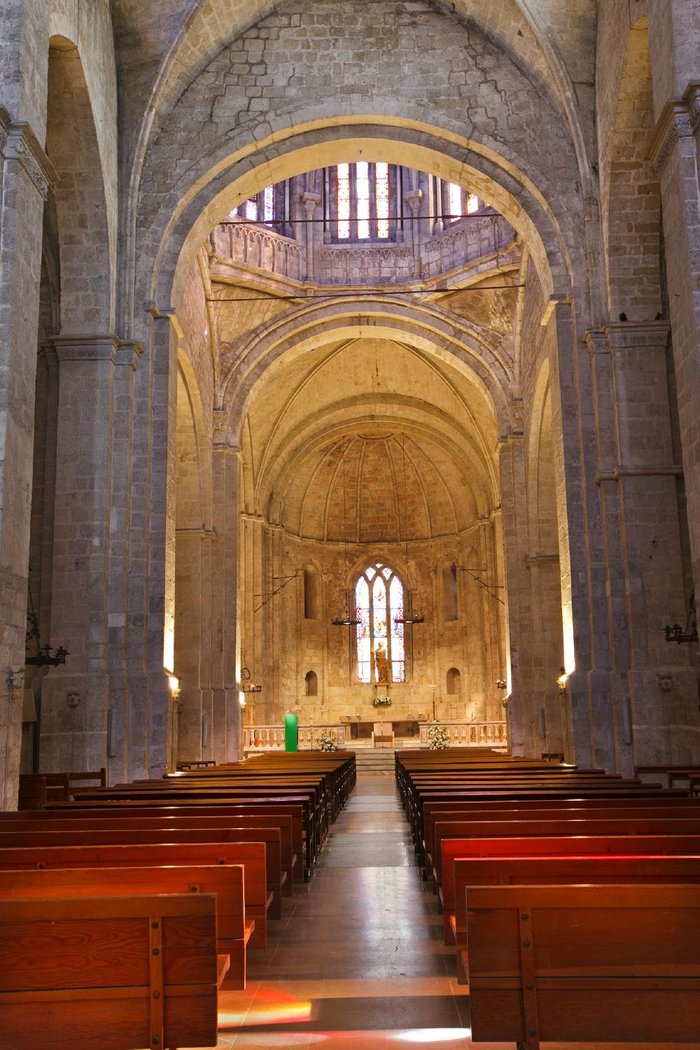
column 379, row 601
column 362, row 192
column 343, row 184
column 454, row 194
column 381, row 189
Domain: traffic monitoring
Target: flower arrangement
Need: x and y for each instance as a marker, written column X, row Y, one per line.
column 381, row 701
column 437, row 735
column 327, row 743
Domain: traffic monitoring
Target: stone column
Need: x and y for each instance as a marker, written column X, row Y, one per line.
column 661, row 682
column 608, row 677
column 119, row 659
column 191, row 597
column 584, row 716
column 74, row 697
column 25, row 175
column 226, row 611
column 675, row 151
column 312, row 236
column 153, row 712
column 519, row 613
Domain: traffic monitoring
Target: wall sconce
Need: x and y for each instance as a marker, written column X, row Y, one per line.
column 501, row 683
column 174, row 686
column 562, row 679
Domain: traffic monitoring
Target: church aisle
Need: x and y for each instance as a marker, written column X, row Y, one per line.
column 358, row 961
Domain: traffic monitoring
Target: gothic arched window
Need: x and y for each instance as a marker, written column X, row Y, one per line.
column 379, row 603
column 361, row 201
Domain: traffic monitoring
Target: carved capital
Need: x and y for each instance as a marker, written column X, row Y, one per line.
column 679, row 119
column 19, row 143
column 86, row 347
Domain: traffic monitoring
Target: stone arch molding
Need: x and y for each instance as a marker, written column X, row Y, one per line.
column 501, row 133
column 431, row 330
column 525, row 30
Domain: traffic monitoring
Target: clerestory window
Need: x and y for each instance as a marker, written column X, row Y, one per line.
column 379, row 603
column 361, row 201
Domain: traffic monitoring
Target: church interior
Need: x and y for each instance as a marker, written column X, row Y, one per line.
column 349, row 381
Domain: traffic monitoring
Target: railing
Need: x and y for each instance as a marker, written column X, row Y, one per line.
column 260, row 248
column 470, row 240
column 459, row 734
column 271, row 738
column 468, row 734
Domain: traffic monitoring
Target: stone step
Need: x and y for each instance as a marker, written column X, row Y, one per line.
column 378, row 760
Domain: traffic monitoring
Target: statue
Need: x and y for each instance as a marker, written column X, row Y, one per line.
column 381, row 664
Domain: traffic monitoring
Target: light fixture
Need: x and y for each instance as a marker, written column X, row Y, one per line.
column 675, row 633
column 45, row 656
column 173, row 685
column 347, row 620
column 562, row 679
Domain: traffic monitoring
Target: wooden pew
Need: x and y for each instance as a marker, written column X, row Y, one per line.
column 577, row 964
column 82, row 835
column 556, row 846
column 546, row 809
column 595, row 822
column 251, row 855
column 188, row 808
column 171, row 795
column 578, row 869
column 226, row 881
column 112, row 972
column 161, row 822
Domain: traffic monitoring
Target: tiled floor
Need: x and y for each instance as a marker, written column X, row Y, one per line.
column 358, row 961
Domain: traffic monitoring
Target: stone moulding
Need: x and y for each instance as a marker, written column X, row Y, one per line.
column 679, row 119
column 19, row 143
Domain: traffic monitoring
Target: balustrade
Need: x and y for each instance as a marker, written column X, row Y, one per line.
column 459, row 734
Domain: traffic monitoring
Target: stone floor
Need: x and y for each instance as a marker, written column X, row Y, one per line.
column 358, row 961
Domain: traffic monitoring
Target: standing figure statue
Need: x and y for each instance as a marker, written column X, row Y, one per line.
column 381, row 664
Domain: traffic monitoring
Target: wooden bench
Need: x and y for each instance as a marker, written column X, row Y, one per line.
column 112, row 972
column 600, row 822
column 578, row 869
column 249, row 854
column 172, row 795
column 150, row 834
column 547, row 809
column 162, row 822
column 556, row 846
column 226, row 881
column 187, row 808
column 578, row 964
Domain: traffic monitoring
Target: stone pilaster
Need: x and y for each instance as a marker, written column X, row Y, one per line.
column 74, row 697
column 311, row 235
column 226, row 622
column 585, row 716
column 153, row 713
column 675, row 155
column 127, row 362
column 25, row 175
column 519, row 613
column 190, row 586
column 640, row 481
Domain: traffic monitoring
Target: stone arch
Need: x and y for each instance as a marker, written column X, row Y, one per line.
column 630, row 191
column 86, row 237
column 428, row 330
column 549, row 231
